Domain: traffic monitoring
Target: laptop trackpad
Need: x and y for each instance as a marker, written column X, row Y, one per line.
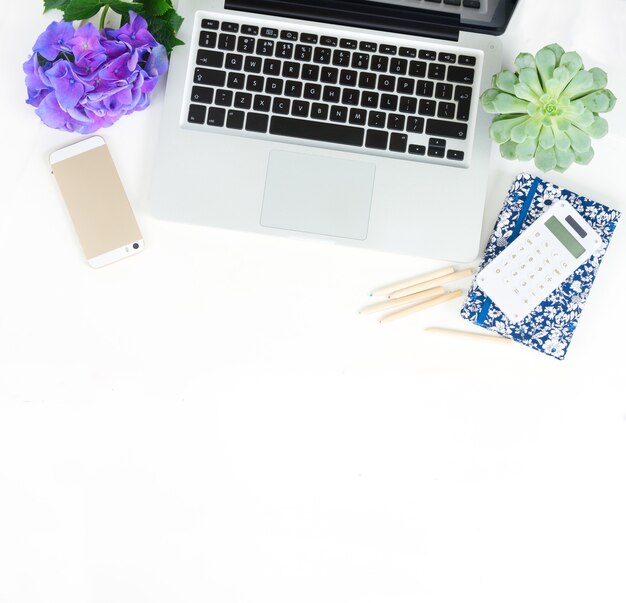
column 317, row 194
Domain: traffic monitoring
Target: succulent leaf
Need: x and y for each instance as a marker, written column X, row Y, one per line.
column 530, row 77
column 501, row 127
column 524, row 92
column 545, row 159
column 525, row 60
column 600, row 101
column 505, row 81
column 508, row 150
column 546, row 138
column 507, row 103
column 584, row 157
column 547, row 61
column 582, row 83
column 487, row 100
column 564, row 158
column 580, row 140
column 526, row 150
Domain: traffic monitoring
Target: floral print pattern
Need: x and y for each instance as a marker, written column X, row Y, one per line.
column 550, row 327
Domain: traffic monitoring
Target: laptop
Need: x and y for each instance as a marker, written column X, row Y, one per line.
column 348, row 121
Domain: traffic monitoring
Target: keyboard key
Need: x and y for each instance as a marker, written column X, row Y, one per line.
column 463, row 93
column 341, row 58
column 417, row 68
column 291, row 70
column 332, row 94
column 246, row 45
column 368, row 46
column 358, row 117
column 273, row 86
column 243, row 100
column 387, row 49
column 339, row 114
column 208, row 39
column 210, row 58
column 227, row 42
column 471, row 3
column 464, row 104
column 234, row 62
column 367, row 80
column 408, row 104
column 427, row 107
column 417, row 149
column 415, row 125
column 376, row 119
column 467, row 60
column 236, row 81
column 322, row 55
column 452, row 2
column 200, row 94
column 461, row 75
column 310, row 73
column 387, row 83
column 389, row 102
column 446, row 129
column 437, row 71
column 257, row 122
column 398, row 142
column 436, row 152
column 377, row 139
column 328, row 41
column 209, row 77
column 284, row 50
column 271, row 67
column 265, row 47
column 235, row 119
column 348, row 77
column 398, row 66
column 329, row 75
column 405, row 86
column 350, row 96
column 424, row 88
column 232, row 27
column 262, row 103
column 293, row 89
column 281, row 106
column 395, row 121
column 446, row 110
column 360, row 60
column 249, row 30
column 209, row 24
column 370, row 99
column 269, row 32
column 407, row 52
column 455, row 155
column 309, row 38
column 224, row 98
column 428, row 55
column 443, row 91
column 323, row 132
column 216, row 117
column 303, row 53
column 319, row 111
column 197, row 114
column 345, row 43
column 380, row 63
column 289, row 35
column 252, row 64
column 300, row 108
column 447, row 57
column 313, row 91
column 255, row 83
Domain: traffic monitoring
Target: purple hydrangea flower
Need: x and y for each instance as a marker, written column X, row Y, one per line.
column 83, row 80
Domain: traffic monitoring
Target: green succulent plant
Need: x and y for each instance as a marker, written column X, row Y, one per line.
column 547, row 109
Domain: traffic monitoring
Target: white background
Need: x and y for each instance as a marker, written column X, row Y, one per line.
column 212, row 420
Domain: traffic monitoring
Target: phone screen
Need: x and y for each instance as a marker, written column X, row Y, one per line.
column 97, row 202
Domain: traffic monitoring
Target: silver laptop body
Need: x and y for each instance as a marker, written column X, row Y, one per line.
column 242, row 179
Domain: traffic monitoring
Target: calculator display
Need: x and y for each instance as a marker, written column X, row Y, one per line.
column 565, row 237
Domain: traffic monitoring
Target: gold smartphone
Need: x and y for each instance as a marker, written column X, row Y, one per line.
column 96, row 201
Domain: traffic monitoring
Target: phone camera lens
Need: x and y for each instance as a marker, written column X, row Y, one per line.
column 135, row 245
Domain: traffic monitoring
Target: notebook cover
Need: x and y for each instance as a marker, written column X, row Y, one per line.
column 549, row 328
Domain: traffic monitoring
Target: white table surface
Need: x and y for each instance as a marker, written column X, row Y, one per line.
column 212, row 420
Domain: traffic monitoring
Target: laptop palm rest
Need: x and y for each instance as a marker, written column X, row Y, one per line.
column 318, row 195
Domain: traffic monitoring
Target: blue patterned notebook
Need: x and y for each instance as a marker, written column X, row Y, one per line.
column 550, row 327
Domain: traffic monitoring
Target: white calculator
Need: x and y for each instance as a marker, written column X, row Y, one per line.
column 539, row 260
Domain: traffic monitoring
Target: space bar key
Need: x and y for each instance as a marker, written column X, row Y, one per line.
column 316, row 130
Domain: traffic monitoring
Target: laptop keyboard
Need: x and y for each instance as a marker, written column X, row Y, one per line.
column 357, row 94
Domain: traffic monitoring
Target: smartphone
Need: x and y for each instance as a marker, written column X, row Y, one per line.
column 96, row 201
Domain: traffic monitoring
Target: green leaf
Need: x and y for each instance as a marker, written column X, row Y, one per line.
column 584, row 157
column 526, row 150
column 502, row 126
column 506, row 103
column 561, row 139
column 487, row 98
column 165, row 28
column 598, row 128
column 564, row 158
column 545, row 159
column 54, row 4
column 601, row 101
column 581, row 84
column 525, row 60
column 530, row 77
column 557, row 50
column 77, row 10
column 580, row 140
column 155, row 8
column 546, row 138
column 524, row 92
column 508, row 150
column 546, row 61
column 505, row 81
column 572, row 62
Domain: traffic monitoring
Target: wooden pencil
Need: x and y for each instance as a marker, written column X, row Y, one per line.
column 403, row 300
column 416, row 280
column 442, row 280
column 440, row 299
column 468, row 335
